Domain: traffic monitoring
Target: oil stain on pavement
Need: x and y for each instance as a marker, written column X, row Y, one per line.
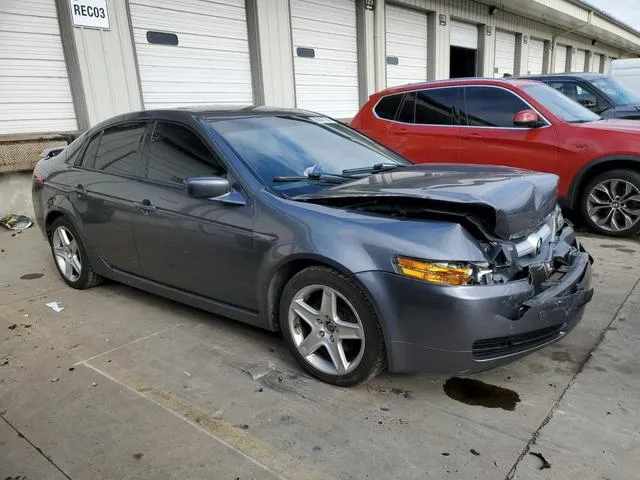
column 31, row 276
column 475, row 392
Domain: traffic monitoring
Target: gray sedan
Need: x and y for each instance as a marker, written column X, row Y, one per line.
column 293, row 222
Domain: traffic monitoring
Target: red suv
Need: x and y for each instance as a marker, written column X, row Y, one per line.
column 520, row 123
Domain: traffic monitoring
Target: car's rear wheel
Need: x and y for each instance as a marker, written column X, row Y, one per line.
column 70, row 256
column 610, row 203
column 331, row 327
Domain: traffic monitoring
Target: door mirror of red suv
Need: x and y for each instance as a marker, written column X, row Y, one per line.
column 526, row 118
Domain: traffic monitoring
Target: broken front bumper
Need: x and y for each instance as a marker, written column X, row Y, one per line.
column 446, row 329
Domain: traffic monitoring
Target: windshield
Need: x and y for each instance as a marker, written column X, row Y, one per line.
column 290, row 146
column 560, row 105
column 620, row 94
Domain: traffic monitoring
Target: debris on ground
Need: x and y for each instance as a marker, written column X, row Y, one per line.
column 474, row 452
column 94, row 384
column 16, row 222
column 138, row 456
column 55, row 379
column 4, row 362
column 13, row 326
column 259, row 370
column 187, row 373
column 545, row 463
column 55, row 306
column 243, row 426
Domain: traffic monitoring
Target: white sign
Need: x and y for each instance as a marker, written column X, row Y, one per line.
column 89, row 13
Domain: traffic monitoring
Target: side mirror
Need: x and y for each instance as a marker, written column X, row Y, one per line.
column 207, row 187
column 526, row 118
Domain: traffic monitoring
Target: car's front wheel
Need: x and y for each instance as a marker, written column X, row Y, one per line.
column 331, row 327
column 610, row 203
column 70, row 256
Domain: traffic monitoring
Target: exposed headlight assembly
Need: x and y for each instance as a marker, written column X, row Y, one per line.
column 444, row 273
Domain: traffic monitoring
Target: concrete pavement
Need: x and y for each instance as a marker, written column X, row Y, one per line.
column 122, row 384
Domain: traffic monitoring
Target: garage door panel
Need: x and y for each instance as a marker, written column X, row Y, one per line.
column 463, row 34
column 406, row 40
column 210, row 64
column 560, row 64
column 327, row 83
column 578, row 62
column 32, row 46
column 207, row 43
column 536, row 56
column 147, row 18
column 30, row 25
column 35, row 95
column 505, row 52
column 218, row 10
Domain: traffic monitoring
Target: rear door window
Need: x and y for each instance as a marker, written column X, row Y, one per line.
column 436, row 106
column 89, row 156
column 387, row 107
column 119, row 150
column 176, row 153
column 408, row 108
column 491, row 107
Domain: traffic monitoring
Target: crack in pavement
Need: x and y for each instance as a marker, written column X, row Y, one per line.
column 547, row 419
column 38, row 449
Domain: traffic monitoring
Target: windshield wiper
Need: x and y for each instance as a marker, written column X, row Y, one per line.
column 378, row 167
column 313, row 177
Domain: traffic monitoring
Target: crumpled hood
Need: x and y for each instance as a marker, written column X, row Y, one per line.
column 518, row 200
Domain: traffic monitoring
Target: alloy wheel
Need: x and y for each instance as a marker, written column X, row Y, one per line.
column 614, row 205
column 67, row 253
column 326, row 329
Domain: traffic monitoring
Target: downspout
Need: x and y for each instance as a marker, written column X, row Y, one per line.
column 555, row 37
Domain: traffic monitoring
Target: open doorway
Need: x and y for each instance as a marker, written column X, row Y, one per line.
column 462, row 62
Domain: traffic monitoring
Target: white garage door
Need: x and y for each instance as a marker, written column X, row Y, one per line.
column 210, row 63
column 536, row 56
column 325, row 54
column 578, row 63
column 406, row 37
column 35, row 96
column 596, row 62
column 464, row 35
column 505, row 53
column 560, row 65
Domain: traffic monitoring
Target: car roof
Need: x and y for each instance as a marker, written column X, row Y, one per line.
column 452, row 82
column 582, row 75
column 203, row 111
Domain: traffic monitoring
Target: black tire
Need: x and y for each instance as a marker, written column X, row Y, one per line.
column 87, row 278
column 630, row 176
column 372, row 360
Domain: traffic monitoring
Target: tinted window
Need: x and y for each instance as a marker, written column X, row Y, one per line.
column 620, row 94
column 492, row 107
column 176, row 153
column 559, row 104
column 388, row 106
column 435, row 106
column 89, row 157
column 119, row 150
column 575, row 92
column 408, row 108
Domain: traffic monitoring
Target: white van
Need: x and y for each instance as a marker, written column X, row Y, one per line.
column 627, row 72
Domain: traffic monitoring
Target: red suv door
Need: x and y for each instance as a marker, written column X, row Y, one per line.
column 490, row 136
column 423, row 127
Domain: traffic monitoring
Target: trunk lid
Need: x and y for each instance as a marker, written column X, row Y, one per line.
column 509, row 203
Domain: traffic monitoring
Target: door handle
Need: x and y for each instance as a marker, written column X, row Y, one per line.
column 80, row 190
column 473, row 136
column 145, row 206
